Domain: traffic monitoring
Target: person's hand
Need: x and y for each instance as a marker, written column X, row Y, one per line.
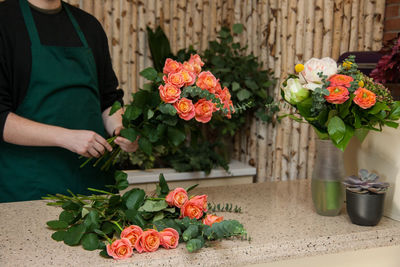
column 124, row 143
column 86, row 143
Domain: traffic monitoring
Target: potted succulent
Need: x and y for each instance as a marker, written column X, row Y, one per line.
column 365, row 197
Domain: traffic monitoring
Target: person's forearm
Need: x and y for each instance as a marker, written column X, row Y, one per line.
column 112, row 122
column 21, row 131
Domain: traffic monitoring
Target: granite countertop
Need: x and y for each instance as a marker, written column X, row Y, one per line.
column 278, row 216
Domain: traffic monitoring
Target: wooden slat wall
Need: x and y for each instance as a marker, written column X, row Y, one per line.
column 280, row 32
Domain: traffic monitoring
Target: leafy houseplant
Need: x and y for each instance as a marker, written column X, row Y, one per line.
column 247, row 81
column 388, row 68
column 167, row 111
column 365, row 198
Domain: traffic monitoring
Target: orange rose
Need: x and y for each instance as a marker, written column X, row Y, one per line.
column 196, row 62
column 188, row 77
column 149, row 241
column 211, row 219
column 185, row 109
column 203, row 110
column 224, row 95
column 201, row 200
column 169, row 93
column 120, row 249
column 171, row 66
column 337, row 94
column 207, row 81
column 218, row 88
column 169, row 238
column 364, row 98
column 187, row 66
column 192, row 209
column 340, row 80
column 175, row 79
column 132, row 233
column 177, row 197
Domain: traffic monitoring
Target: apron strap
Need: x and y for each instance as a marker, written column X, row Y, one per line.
column 76, row 25
column 31, row 26
column 29, row 22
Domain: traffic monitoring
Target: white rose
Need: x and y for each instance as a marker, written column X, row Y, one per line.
column 312, row 67
column 294, row 92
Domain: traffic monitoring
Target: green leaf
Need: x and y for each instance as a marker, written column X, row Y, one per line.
column 132, row 112
column 104, row 254
column 336, row 129
column 129, row 134
column 90, row 241
column 159, row 216
column 237, row 28
column 74, row 234
column 148, row 86
column 321, row 135
column 149, row 73
column 251, row 84
column 167, row 109
column 175, row 136
column 191, row 232
column 223, row 33
column 349, row 133
column 69, row 205
column 378, row 107
column 235, row 86
column 66, row 216
column 135, row 218
column 153, row 205
column 57, row 225
column 194, row 244
column 190, row 188
column 164, row 188
column 92, row 220
column 145, row 145
column 59, row 235
column 120, row 176
column 150, row 114
column 134, row 198
column 392, row 124
column 304, row 107
column 395, row 111
column 115, row 107
column 243, row 94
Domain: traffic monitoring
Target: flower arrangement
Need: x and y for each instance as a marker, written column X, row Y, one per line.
column 339, row 102
column 118, row 224
column 167, row 109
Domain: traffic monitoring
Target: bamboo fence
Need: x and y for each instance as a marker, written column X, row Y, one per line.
column 281, row 33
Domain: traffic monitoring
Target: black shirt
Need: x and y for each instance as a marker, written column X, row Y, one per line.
column 55, row 30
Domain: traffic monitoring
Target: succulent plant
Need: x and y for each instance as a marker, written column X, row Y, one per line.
column 365, row 182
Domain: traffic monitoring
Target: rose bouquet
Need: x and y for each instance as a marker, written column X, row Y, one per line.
column 168, row 108
column 339, row 102
column 121, row 224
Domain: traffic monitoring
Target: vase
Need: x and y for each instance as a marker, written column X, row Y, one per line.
column 326, row 184
column 365, row 209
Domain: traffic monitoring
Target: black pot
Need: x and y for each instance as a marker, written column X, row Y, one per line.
column 365, row 209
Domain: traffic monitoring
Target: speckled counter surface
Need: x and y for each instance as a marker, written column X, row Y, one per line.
column 278, row 216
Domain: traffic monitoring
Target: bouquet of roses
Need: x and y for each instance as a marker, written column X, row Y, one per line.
column 136, row 221
column 339, row 102
column 183, row 91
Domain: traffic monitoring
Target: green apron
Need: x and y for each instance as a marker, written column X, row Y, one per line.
column 63, row 91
